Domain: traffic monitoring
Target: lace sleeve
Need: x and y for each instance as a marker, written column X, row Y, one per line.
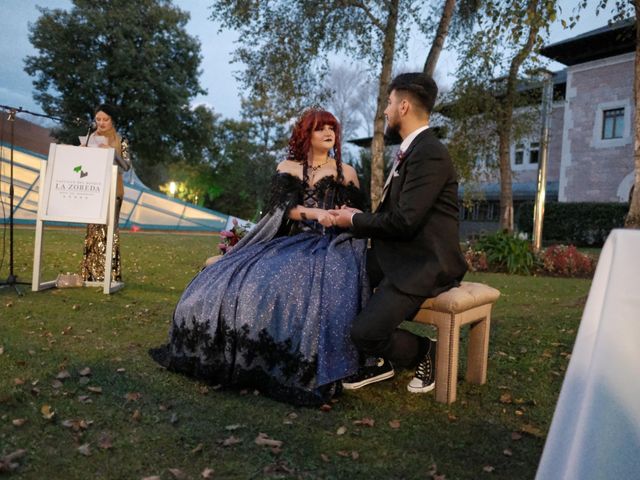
column 286, row 192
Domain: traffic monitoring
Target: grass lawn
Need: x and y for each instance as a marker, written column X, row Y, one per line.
column 126, row 418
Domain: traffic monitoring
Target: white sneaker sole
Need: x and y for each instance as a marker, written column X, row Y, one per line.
column 424, row 389
column 368, row 381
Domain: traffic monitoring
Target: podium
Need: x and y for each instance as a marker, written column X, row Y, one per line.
column 77, row 185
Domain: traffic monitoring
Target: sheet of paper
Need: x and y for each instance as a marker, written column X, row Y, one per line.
column 94, row 140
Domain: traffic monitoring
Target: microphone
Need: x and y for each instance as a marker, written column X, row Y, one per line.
column 92, row 128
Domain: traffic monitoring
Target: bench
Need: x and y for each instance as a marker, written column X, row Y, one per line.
column 468, row 304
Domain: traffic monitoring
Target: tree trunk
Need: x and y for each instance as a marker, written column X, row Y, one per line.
column 506, row 121
column 633, row 217
column 377, row 144
column 441, row 35
column 506, row 184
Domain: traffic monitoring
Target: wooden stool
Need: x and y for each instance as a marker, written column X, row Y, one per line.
column 470, row 303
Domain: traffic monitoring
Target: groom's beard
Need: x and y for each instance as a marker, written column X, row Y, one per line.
column 392, row 135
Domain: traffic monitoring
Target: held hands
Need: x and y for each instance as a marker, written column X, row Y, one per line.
column 342, row 217
column 325, row 218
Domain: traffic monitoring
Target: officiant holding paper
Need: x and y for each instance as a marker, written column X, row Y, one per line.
column 95, row 242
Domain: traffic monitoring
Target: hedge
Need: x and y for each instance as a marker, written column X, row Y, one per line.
column 580, row 224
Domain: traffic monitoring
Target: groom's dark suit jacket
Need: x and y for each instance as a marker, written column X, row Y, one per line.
column 414, row 231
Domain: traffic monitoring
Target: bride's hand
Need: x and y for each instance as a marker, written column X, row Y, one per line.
column 325, row 219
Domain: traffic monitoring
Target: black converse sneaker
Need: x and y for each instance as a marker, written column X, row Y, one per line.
column 424, row 379
column 374, row 370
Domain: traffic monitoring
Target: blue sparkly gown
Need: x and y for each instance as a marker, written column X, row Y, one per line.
column 275, row 312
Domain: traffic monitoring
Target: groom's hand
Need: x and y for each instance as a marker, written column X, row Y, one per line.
column 344, row 215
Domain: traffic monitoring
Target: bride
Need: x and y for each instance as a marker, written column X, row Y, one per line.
column 275, row 312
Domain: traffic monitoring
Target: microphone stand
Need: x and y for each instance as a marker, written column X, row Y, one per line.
column 90, row 130
column 12, row 279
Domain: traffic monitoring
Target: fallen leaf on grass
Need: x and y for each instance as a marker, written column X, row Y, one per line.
column 395, row 424
column 353, row 454
column 177, row 473
column 85, row 372
column 95, row 389
column 264, row 440
column 47, row 412
column 488, row 468
column 198, row 448
column 278, row 467
column 8, row 464
column 18, row 422
column 515, row 436
column 63, row 374
column 233, row 427
column 104, row 441
column 325, row 458
column 136, row 415
column 133, row 396
column 325, row 407
column 174, row 418
column 207, row 473
column 506, row 398
column 56, row 384
column 341, row 431
column 84, row 450
column 153, row 477
column 84, row 399
column 84, row 380
column 532, row 430
column 232, row 440
column 18, row 381
column 121, row 370
column 507, row 452
column 1, row 349
column 76, row 424
column 365, row 422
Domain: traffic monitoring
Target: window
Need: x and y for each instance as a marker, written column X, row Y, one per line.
column 612, row 123
column 534, row 152
column 519, row 156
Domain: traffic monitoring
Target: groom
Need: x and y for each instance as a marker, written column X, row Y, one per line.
column 415, row 252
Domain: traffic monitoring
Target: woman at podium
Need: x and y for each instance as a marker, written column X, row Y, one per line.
column 95, row 241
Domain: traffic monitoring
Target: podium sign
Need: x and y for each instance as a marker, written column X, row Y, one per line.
column 77, row 185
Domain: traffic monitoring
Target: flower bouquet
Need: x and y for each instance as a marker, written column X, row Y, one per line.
column 231, row 237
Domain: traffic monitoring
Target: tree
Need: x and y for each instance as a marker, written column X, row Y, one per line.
column 345, row 98
column 510, row 33
column 135, row 55
column 460, row 18
column 285, row 47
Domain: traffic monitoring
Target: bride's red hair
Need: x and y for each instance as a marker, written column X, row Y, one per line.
column 300, row 141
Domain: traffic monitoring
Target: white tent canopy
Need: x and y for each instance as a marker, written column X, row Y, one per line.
column 142, row 207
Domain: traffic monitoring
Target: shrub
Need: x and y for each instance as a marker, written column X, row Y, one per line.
column 505, row 251
column 476, row 260
column 582, row 224
column 567, row 261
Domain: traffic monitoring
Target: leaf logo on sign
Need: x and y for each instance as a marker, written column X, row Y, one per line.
column 79, row 170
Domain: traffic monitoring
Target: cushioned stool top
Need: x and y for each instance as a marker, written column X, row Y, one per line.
column 462, row 298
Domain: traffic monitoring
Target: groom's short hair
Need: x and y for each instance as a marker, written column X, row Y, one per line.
column 418, row 85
